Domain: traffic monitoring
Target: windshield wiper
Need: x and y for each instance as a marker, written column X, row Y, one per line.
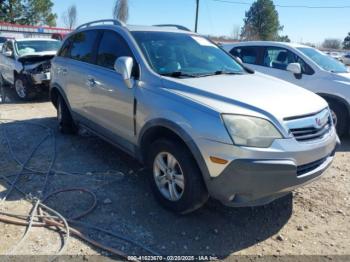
column 179, row 74
column 220, row 72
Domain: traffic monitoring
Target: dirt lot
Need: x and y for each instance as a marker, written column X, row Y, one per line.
column 313, row 221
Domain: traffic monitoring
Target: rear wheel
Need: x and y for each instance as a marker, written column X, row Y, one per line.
column 23, row 88
column 65, row 121
column 340, row 118
column 175, row 178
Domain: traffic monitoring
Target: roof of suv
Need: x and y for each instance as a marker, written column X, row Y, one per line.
column 155, row 28
column 268, row 43
column 112, row 23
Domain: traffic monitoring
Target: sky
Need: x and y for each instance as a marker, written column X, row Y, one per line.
column 220, row 18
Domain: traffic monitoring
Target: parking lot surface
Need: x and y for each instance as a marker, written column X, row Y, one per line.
column 315, row 220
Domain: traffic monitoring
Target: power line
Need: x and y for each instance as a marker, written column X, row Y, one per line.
column 286, row 6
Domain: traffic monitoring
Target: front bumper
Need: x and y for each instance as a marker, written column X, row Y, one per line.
column 267, row 175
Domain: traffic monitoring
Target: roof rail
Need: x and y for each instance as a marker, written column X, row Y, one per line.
column 113, row 21
column 181, row 27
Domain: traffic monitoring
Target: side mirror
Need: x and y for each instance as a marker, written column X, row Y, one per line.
column 123, row 65
column 239, row 59
column 8, row 53
column 295, row 68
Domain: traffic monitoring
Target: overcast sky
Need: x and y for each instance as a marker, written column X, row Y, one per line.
column 219, row 18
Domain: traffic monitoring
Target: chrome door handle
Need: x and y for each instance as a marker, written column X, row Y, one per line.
column 91, row 82
column 62, row 71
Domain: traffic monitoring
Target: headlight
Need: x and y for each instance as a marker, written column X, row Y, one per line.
column 251, row 131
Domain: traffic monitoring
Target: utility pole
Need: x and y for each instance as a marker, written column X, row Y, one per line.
column 197, row 10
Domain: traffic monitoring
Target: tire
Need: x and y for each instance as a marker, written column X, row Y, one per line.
column 66, row 124
column 2, row 91
column 341, row 118
column 23, row 88
column 193, row 193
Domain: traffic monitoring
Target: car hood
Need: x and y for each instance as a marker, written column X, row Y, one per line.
column 35, row 57
column 253, row 92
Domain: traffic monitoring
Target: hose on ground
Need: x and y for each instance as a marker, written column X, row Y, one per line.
column 41, row 212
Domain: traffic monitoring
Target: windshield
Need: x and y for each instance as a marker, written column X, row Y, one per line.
column 177, row 55
column 32, row 47
column 323, row 60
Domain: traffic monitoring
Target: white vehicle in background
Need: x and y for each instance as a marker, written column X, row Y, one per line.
column 304, row 66
column 346, row 59
column 336, row 55
column 25, row 65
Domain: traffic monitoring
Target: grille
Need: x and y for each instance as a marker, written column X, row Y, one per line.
column 302, row 170
column 310, row 133
column 311, row 127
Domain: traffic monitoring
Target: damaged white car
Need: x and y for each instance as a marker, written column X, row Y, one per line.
column 25, row 65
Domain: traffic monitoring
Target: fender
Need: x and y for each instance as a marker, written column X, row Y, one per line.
column 336, row 98
column 179, row 131
column 55, row 86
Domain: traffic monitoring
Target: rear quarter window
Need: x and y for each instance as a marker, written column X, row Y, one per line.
column 80, row 46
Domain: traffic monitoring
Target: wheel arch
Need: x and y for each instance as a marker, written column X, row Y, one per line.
column 56, row 91
column 160, row 128
column 337, row 99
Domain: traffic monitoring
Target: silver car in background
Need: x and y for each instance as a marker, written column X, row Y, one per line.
column 202, row 123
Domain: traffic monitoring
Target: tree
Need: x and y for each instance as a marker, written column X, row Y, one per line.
column 235, row 34
column 331, row 43
column 70, row 17
column 261, row 22
column 121, row 10
column 11, row 11
column 346, row 43
column 283, row 38
column 27, row 12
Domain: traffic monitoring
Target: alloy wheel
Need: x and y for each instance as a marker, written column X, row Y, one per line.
column 20, row 88
column 168, row 176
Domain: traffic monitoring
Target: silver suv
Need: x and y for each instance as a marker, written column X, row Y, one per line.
column 201, row 122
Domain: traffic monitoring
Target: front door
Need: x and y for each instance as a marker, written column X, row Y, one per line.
column 111, row 102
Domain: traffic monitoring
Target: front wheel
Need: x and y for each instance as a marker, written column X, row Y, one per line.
column 175, row 178
column 23, row 88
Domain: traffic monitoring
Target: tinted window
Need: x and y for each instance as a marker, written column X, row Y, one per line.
column 280, row 58
column 65, row 49
column 248, row 55
column 112, row 46
column 82, row 46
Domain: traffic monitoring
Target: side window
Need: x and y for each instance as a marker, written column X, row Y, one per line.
column 65, row 49
column 248, row 55
column 8, row 46
column 112, row 46
column 82, row 46
column 280, row 58
column 276, row 57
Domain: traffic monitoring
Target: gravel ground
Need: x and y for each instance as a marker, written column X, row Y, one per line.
column 313, row 221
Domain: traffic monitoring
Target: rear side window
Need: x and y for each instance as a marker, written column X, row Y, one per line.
column 280, row 58
column 248, row 55
column 112, row 46
column 82, row 46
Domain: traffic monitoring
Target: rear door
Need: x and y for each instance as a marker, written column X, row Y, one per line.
column 77, row 70
column 111, row 102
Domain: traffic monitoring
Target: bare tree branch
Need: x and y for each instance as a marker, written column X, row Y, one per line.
column 121, row 10
column 70, row 17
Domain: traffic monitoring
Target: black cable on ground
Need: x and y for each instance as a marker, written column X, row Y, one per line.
column 46, row 220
